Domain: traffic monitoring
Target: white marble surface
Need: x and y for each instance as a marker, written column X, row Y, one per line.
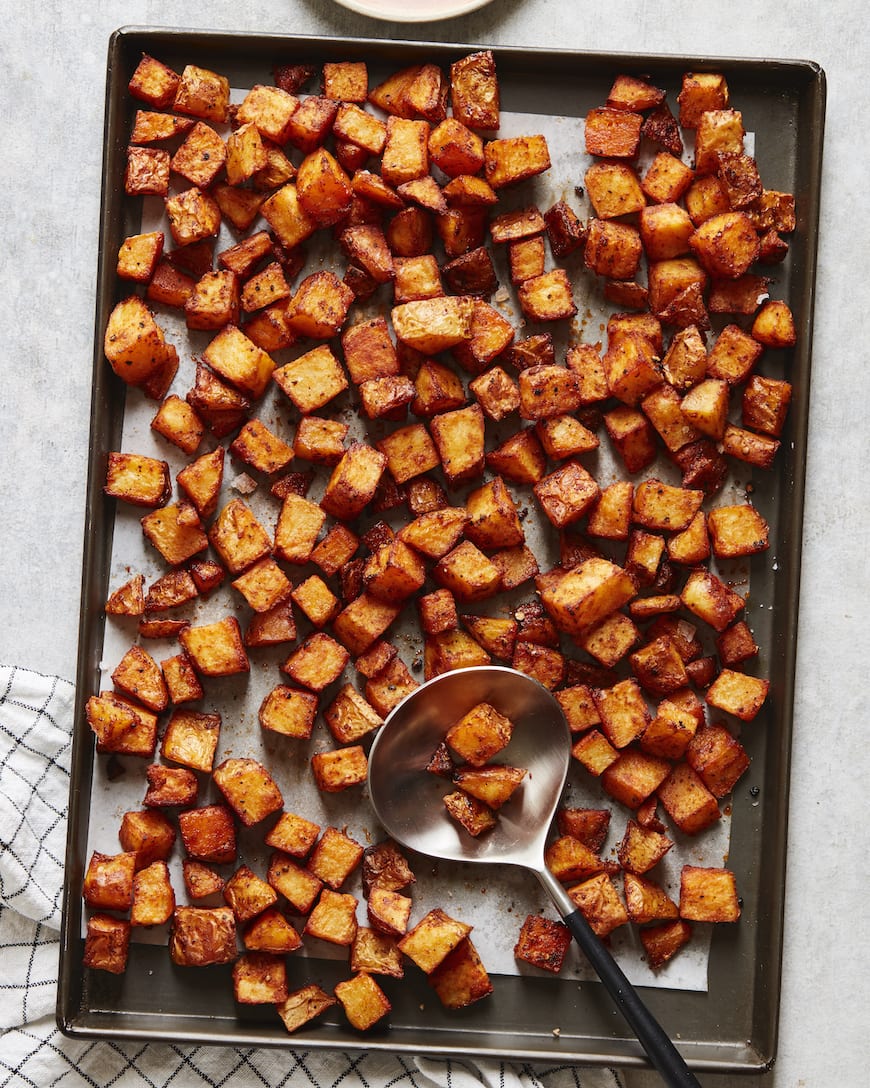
column 51, row 95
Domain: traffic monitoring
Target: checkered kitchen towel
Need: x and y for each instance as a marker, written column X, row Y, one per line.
column 35, row 741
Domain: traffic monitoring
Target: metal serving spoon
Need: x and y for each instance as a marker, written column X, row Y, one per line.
column 408, row 802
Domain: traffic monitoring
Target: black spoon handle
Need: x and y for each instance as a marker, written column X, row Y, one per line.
column 664, row 1056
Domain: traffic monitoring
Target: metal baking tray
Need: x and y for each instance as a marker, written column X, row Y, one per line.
column 732, row 1027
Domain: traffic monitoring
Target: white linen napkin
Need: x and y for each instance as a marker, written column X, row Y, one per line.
column 35, row 739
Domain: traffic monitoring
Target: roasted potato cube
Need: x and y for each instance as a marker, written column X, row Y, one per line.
column 570, row 859
column 137, row 479
column 138, row 256
column 272, row 627
column 438, row 389
column 432, row 939
column 170, row 786
column 292, row 834
column 358, row 127
column 193, row 215
column 467, row 573
column 317, row 662
column 320, row 306
column 353, row 482
column 461, row 979
column 333, row 918
column 247, row 895
column 662, row 506
column 154, row 82
column 134, row 343
column 646, row 901
column 201, row 481
column 708, row 895
column 543, row 943
column 153, row 897
column 670, row 731
column 384, row 866
column 201, row 936
column 717, row 131
column 623, row 712
column 298, row 527
column 350, row 717
column 736, row 645
column 667, row 179
column 738, row 694
column 634, row 777
column 513, row 159
column 199, row 880
column 409, row 451
column 665, row 230
column 687, row 801
column 362, row 622
column 271, row 932
column 336, row 549
column 613, row 189
column 107, row 944
column 737, row 530
column 148, row 835
column 128, row 599
column 718, row 758
column 216, row 649
column 147, row 172
column 388, row 911
column 566, row 494
column 284, row 213
column 662, row 942
column 389, row 687
column 304, row 1005
column 138, row 675
column 765, row 404
column 612, row 249
column 203, row 93
column 707, row 597
column 405, row 156
column 248, row 788
column 363, row 1001
column 599, row 901
column 642, row 848
column 480, row 734
column 375, row 953
column 475, row 91
column 208, row 833
column 177, row 422
column 260, row 978
column 108, row 881
column 459, row 439
column 474, row 815
column 298, row 886
column 435, row 324
column 455, row 149
column 240, row 361
column 725, row 244
column 583, row 596
column 191, row 739
column 491, row 334
column 595, row 752
column 201, row 157
column 589, row 825
column 612, row 133
column 340, row 769
column 548, row 297
column 701, row 91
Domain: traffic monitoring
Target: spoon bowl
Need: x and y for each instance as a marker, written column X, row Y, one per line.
column 407, row 799
column 408, row 802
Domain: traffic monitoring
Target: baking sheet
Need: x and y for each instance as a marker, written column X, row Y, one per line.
column 529, row 80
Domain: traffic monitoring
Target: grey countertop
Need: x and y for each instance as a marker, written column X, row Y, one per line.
column 52, row 94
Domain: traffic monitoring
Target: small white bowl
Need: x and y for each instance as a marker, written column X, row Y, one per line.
column 413, row 11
